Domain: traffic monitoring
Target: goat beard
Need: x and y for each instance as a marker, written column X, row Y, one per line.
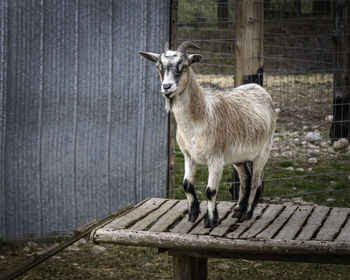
column 168, row 104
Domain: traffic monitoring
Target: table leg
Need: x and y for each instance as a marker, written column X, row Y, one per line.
column 190, row 268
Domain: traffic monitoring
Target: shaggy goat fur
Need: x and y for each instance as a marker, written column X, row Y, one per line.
column 215, row 127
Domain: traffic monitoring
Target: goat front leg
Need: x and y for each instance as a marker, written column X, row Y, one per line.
column 193, row 204
column 215, row 169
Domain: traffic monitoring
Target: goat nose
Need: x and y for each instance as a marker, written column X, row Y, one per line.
column 166, row 86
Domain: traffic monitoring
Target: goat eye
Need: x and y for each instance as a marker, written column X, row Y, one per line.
column 179, row 67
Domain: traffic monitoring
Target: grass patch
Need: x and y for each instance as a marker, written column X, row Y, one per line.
column 6, row 243
column 328, row 178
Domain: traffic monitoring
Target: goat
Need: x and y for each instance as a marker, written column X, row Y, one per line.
column 215, row 127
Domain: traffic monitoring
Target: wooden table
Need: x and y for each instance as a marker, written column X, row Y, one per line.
column 275, row 232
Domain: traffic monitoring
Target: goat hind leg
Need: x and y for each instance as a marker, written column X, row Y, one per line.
column 193, row 203
column 245, row 173
column 256, row 191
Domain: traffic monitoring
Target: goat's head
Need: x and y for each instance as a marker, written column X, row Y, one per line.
column 173, row 67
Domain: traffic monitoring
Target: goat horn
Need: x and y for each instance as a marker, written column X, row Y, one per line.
column 186, row 45
column 166, row 46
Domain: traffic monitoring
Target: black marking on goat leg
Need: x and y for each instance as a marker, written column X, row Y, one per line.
column 248, row 167
column 260, row 198
column 240, row 210
column 185, row 185
column 248, row 214
column 244, row 202
column 211, row 223
column 194, row 210
column 210, row 193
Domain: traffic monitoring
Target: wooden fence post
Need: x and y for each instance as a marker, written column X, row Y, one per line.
column 249, row 50
column 341, row 80
column 249, row 45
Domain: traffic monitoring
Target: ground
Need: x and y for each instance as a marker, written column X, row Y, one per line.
column 120, row 262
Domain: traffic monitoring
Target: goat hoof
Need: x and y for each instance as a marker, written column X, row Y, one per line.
column 247, row 215
column 237, row 212
column 194, row 211
column 211, row 222
column 193, row 214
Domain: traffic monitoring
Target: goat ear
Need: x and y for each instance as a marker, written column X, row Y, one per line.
column 194, row 58
column 150, row 56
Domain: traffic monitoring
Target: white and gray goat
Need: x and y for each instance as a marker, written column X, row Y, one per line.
column 215, row 127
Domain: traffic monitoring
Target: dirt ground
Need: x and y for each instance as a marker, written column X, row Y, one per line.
column 119, row 262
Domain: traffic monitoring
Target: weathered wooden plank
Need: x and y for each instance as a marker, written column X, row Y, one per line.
column 224, row 207
column 93, row 110
column 294, row 223
column 255, row 225
column 313, row 223
column 277, row 223
column 153, row 216
column 135, row 214
column 210, row 243
column 170, row 217
column 60, row 87
column 225, row 224
column 184, row 226
column 247, row 223
column 344, row 235
column 333, row 224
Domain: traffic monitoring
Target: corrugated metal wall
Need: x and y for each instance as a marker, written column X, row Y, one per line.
column 83, row 131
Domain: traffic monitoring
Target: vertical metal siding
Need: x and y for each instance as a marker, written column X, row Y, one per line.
column 3, row 85
column 58, row 115
column 134, row 90
column 94, row 90
column 24, row 91
column 155, row 145
column 85, row 130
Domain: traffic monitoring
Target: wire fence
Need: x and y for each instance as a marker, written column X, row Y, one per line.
column 300, row 74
